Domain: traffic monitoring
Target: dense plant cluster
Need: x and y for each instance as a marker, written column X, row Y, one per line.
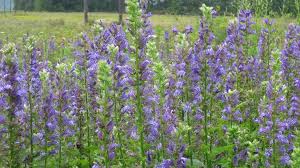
column 129, row 98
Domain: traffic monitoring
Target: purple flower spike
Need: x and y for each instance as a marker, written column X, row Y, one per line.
column 2, row 119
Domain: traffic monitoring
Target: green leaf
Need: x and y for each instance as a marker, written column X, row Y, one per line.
column 218, row 150
column 196, row 163
column 241, row 105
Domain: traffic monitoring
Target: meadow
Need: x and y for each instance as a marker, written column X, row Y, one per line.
column 160, row 91
column 69, row 25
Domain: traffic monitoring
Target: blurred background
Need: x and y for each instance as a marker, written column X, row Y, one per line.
column 188, row 7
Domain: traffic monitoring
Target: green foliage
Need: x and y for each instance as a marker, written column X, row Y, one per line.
column 239, row 5
column 297, row 6
column 38, row 5
column 104, row 75
column 237, row 136
column 134, row 15
column 262, row 7
column 8, row 49
column 296, row 152
column 207, row 13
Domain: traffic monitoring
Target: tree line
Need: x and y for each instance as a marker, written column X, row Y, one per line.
column 65, row 5
column 261, row 7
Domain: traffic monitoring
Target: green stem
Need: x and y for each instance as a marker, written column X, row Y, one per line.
column 139, row 108
column 31, row 119
column 118, row 116
column 161, row 102
column 210, row 120
column 31, row 130
column 121, row 148
column 46, row 140
column 274, row 144
column 188, row 118
column 80, row 137
column 80, row 125
column 60, row 124
column 87, row 114
column 60, row 134
column 11, row 138
column 106, row 119
column 190, row 139
column 45, row 88
column 205, row 111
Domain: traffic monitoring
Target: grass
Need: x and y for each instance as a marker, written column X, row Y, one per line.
column 68, row 25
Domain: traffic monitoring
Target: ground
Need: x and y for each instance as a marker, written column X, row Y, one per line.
column 14, row 25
